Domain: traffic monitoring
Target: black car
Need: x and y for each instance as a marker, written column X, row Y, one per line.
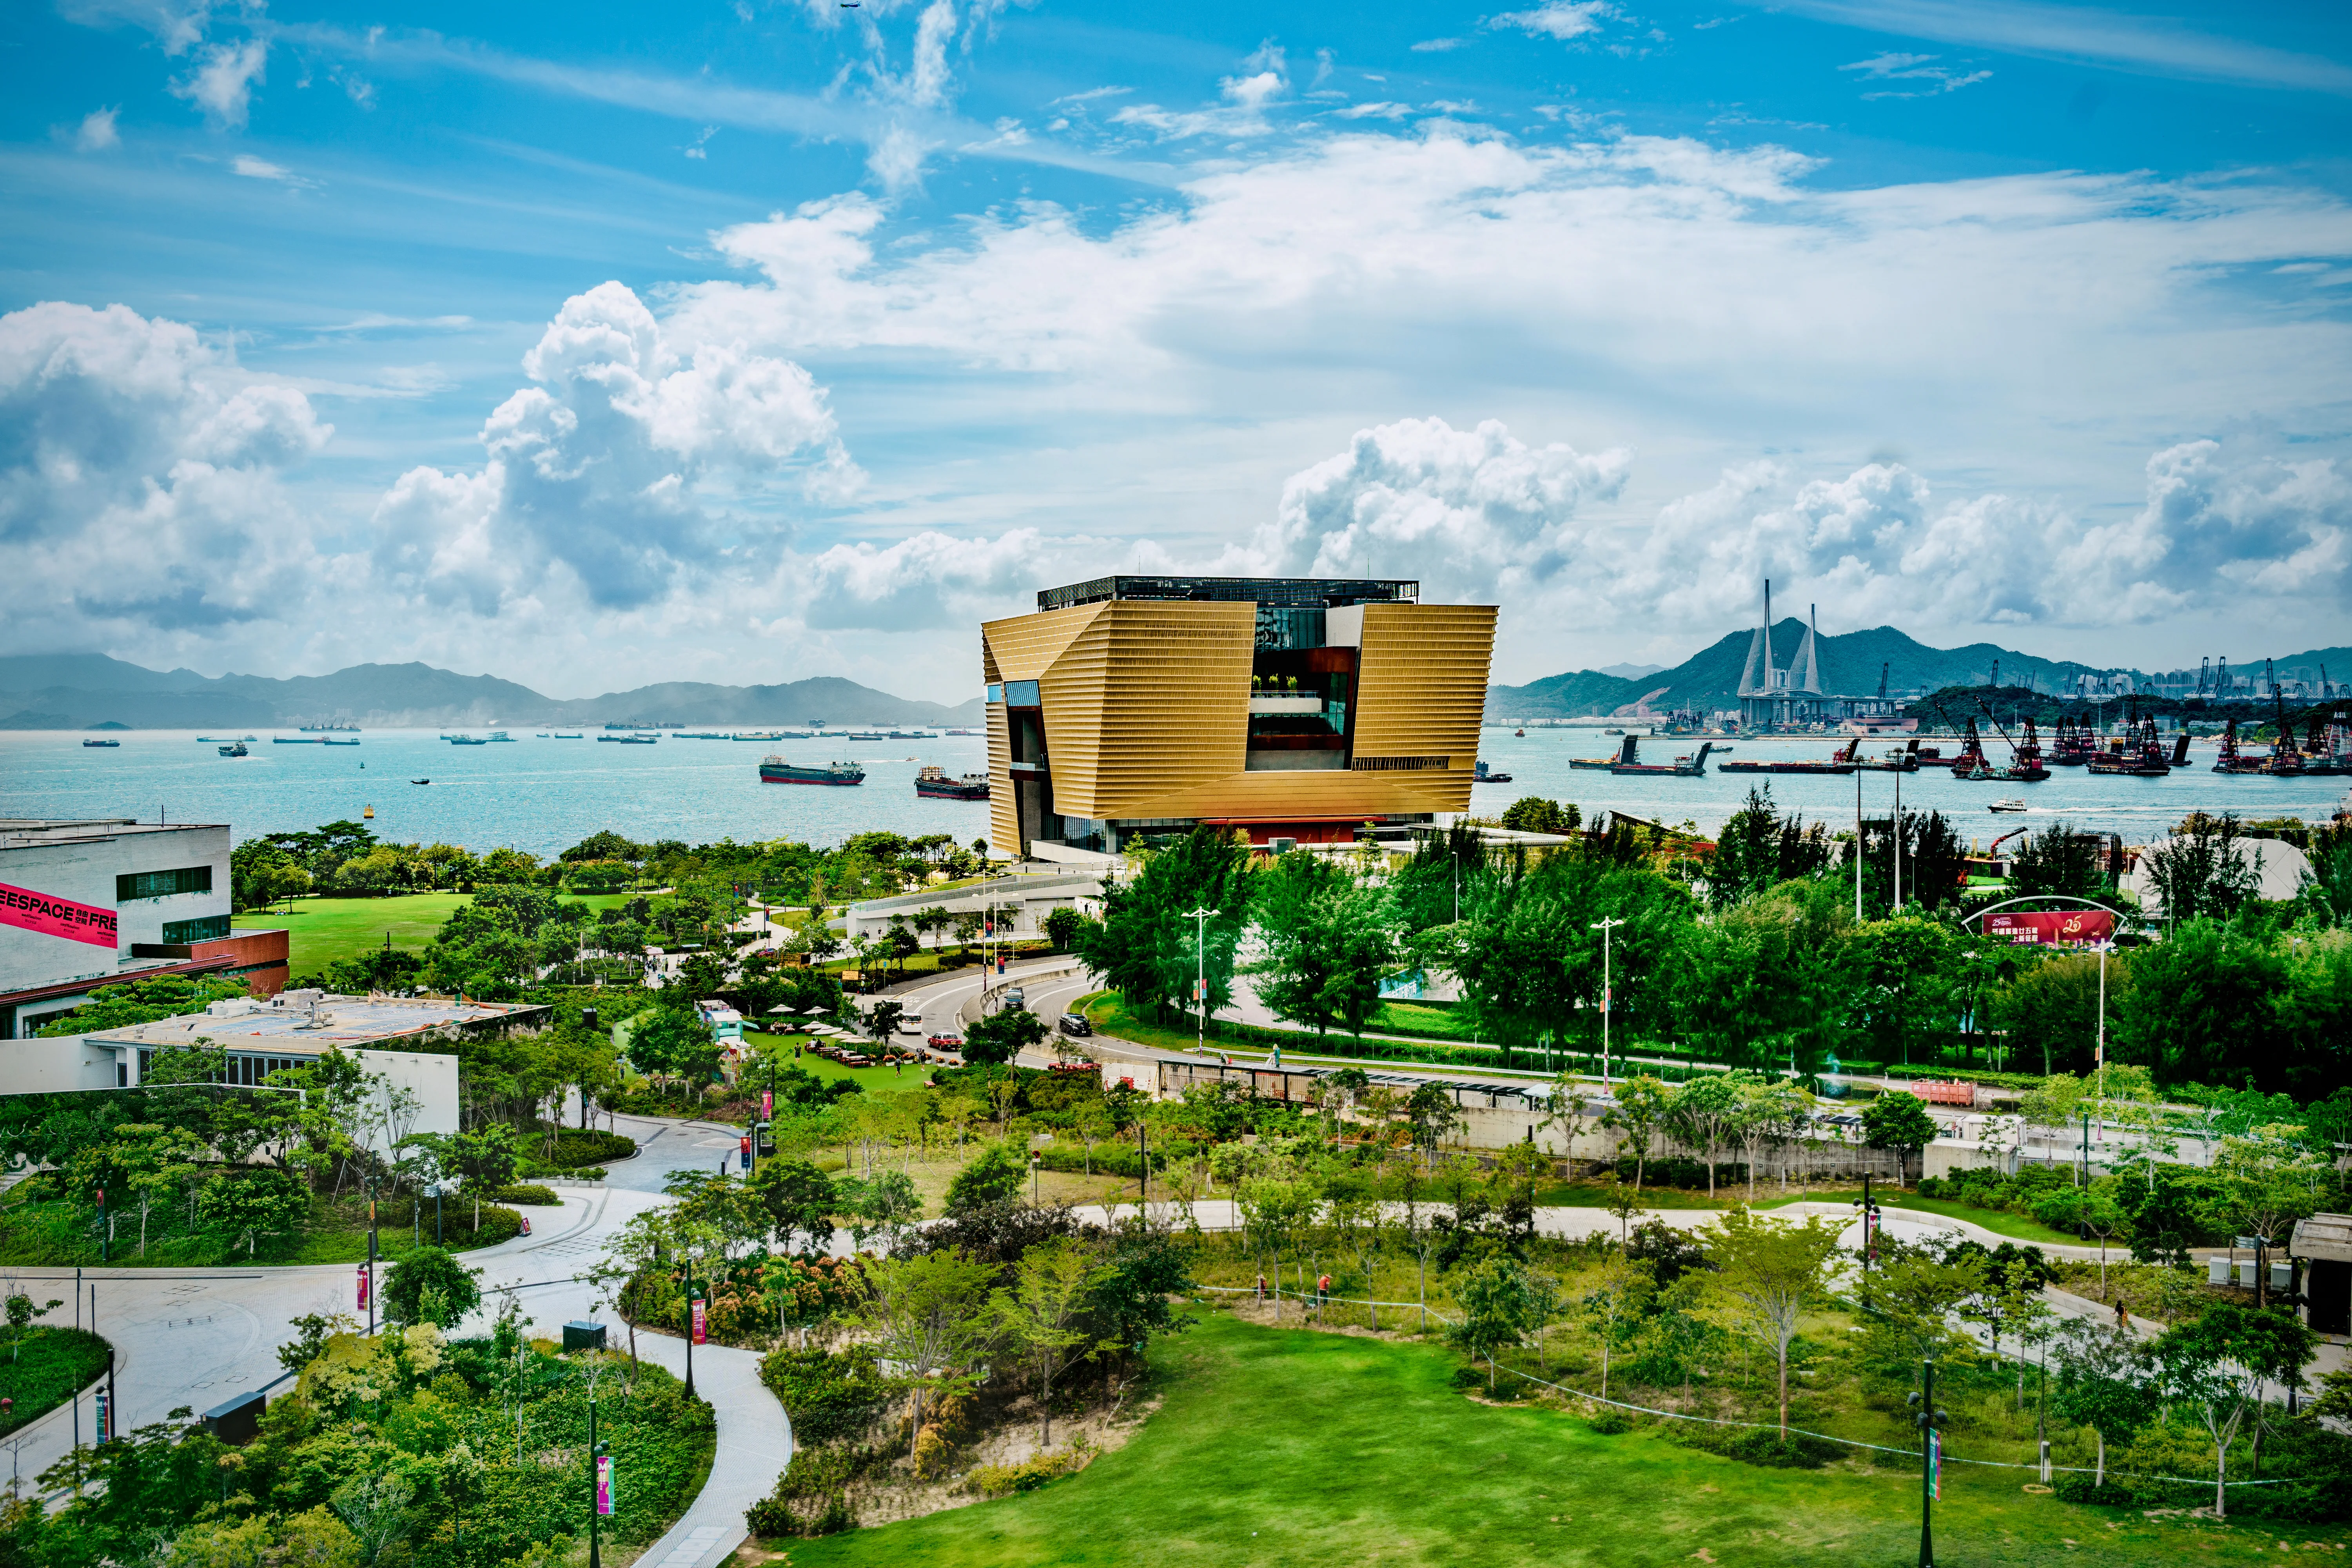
column 1074, row 1024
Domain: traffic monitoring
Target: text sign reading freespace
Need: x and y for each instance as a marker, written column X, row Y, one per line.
column 53, row 916
column 2052, row 927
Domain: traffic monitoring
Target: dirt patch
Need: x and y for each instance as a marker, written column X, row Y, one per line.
column 1086, row 1438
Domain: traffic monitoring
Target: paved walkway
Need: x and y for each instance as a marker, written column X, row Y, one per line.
column 196, row 1337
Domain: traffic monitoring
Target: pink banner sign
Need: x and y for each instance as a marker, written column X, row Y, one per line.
column 2052, row 927
column 53, row 916
column 604, row 1484
column 700, row 1337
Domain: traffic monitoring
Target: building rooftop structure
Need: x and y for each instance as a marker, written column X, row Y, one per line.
column 309, row 1022
column 29, row 832
column 1327, row 592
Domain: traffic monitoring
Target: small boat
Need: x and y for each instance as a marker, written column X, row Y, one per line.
column 420, row 781
column 563, row 737
column 619, row 739
column 101, row 742
column 235, row 749
column 869, row 735
column 1520, row 734
column 465, row 740
column 933, row 784
column 767, row 735
column 499, row 735
column 1683, row 767
column 297, row 740
column 1484, row 776
column 2006, row 806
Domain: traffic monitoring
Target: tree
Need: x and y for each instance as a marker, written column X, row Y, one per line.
column 1062, row 925
column 2204, row 1007
column 1143, row 946
column 1614, row 1306
column 1494, row 1300
column 1759, row 847
column 1901, row 976
column 1767, row 1273
column 1899, row 1121
column 930, row 1320
column 247, row 1207
column 800, row 1200
column 2106, row 1380
column 2217, row 1365
column 1642, row 1105
column 1040, row 1315
column 428, row 1286
column 1706, row 1114
column 993, row 1177
column 2199, row 872
column 485, row 1160
column 999, row 1036
column 1534, row 814
column 2090, row 1211
column 2058, row 861
column 2050, row 1007
column 1326, row 942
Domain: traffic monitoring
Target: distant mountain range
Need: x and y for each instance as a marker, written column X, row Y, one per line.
column 81, row 691
column 1849, row 664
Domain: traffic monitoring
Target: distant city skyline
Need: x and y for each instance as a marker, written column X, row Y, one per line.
column 610, row 347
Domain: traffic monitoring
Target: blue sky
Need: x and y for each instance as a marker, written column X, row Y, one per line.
column 592, row 346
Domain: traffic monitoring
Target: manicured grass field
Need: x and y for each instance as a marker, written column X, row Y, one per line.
column 1280, row 1447
column 2000, row 1222
column 48, row 1365
column 321, row 930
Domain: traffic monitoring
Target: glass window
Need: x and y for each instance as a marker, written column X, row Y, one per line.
column 205, row 928
column 162, row 884
column 1021, row 694
column 996, row 692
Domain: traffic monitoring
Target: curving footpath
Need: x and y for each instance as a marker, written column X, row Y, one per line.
column 196, row 1337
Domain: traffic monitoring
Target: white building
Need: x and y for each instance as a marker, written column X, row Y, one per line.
column 89, row 900
column 2278, row 866
column 1016, row 905
column 406, row 1041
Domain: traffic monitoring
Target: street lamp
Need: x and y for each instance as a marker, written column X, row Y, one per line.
column 1605, row 927
column 1199, row 919
column 1928, row 1419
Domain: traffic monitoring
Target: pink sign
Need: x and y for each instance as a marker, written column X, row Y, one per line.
column 604, row 1484
column 363, row 1287
column 699, row 1336
column 53, row 916
column 2048, row 926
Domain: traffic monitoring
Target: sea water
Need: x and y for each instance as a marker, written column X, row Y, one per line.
column 545, row 795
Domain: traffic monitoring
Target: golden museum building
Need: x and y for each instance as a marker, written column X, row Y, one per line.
column 1289, row 707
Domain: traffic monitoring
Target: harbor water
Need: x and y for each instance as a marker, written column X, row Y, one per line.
column 544, row 795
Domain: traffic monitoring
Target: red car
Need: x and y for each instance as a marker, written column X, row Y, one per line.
column 946, row 1042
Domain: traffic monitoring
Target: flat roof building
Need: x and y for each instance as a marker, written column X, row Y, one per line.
column 1297, row 708
column 87, row 900
column 410, row 1042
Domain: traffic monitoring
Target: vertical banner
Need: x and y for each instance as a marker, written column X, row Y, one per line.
column 700, row 1337
column 1935, row 1464
column 105, row 1411
column 767, row 1105
column 363, row 1287
column 604, row 1484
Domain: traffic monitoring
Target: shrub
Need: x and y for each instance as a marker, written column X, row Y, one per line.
column 1610, row 1422
column 2114, row 1494
column 539, row 1197
column 830, row 1396
column 1002, row 1481
column 1761, row 1446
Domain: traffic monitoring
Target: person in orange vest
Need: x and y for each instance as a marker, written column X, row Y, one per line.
column 1322, row 1292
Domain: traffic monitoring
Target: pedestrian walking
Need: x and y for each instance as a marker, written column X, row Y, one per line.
column 1261, row 1287
column 1322, row 1292
column 2123, row 1318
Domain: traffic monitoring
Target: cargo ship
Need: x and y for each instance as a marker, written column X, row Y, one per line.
column 101, row 742
column 328, row 729
column 1688, row 767
column 465, row 740
column 1840, row 762
column 933, row 784
column 773, row 769
column 2025, row 757
column 296, row 740
column 2139, row 753
column 1482, row 773
column 235, row 749
column 619, row 740
column 2073, row 745
column 334, row 742
column 1903, row 759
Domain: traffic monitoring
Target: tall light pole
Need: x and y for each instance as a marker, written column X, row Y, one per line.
column 1857, row 846
column 1897, row 908
column 1199, row 919
column 1605, row 926
column 2101, row 1058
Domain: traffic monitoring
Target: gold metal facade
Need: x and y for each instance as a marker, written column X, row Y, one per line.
column 1146, row 706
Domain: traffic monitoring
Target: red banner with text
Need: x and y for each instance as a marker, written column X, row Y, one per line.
column 53, row 916
column 2047, row 928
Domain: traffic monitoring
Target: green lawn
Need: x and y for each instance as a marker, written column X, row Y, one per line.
column 321, row 930
column 1281, row 1447
column 48, row 1364
column 2000, row 1222
column 876, row 1080
column 47, row 1234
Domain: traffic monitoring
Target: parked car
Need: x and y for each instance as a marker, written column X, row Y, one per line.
column 1074, row 1024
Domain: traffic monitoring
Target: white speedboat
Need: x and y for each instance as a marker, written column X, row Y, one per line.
column 2006, row 806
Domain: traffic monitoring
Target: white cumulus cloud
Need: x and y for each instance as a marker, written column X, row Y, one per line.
column 1561, row 19
column 221, row 83
column 97, row 133
column 598, row 475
